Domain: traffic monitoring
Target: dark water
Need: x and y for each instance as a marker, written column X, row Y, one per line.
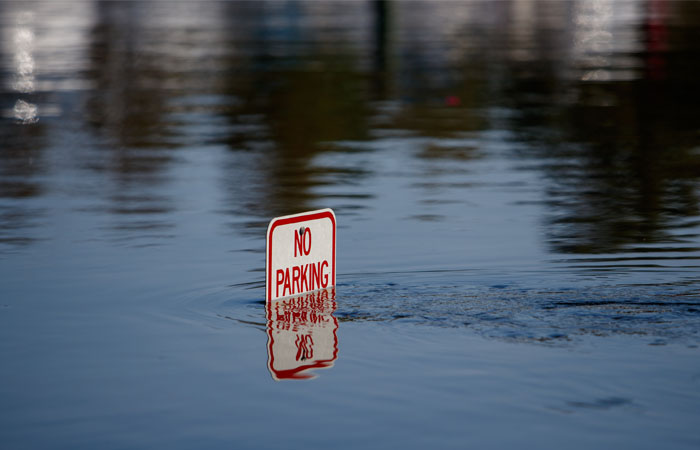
column 517, row 188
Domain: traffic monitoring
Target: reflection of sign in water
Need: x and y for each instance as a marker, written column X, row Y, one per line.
column 301, row 334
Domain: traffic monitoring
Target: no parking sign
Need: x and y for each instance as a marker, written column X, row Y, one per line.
column 300, row 253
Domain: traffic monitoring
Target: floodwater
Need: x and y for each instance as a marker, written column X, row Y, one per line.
column 517, row 192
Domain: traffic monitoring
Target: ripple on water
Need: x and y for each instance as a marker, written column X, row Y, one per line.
column 514, row 311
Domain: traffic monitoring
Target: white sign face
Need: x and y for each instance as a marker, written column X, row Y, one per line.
column 300, row 254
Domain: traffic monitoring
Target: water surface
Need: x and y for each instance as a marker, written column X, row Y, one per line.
column 517, row 188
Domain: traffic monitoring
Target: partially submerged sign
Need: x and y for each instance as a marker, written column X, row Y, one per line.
column 300, row 254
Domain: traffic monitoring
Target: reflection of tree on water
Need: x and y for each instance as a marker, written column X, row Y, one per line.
column 295, row 94
column 20, row 164
column 128, row 110
column 613, row 129
column 438, row 91
column 22, row 136
column 128, row 103
column 302, row 83
column 619, row 160
column 633, row 175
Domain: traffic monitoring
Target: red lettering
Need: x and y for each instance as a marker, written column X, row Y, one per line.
column 298, row 243
column 314, row 276
column 307, row 239
column 304, row 284
column 295, row 279
column 325, row 276
column 286, row 287
column 280, row 280
column 303, row 278
column 302, row 242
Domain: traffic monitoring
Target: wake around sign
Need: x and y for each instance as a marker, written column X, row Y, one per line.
column 300, row 253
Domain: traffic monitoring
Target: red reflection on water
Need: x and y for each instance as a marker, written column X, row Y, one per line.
column 302, row 334
column 656, row 39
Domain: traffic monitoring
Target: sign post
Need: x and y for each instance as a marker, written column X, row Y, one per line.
column 300, row 254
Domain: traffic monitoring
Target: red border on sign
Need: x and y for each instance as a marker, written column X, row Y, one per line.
column 286, row 220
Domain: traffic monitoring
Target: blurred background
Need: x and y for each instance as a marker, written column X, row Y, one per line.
column 516, row 172
column 290, row 106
